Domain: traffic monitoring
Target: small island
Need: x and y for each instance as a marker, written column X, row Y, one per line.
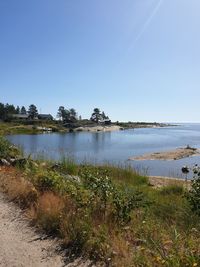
column 175, row 154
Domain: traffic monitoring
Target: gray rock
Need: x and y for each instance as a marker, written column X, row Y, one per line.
column 4, row 162
column 56, row 167
column 19, row 161
column 73, row 178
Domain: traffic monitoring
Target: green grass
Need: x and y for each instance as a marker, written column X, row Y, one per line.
column 172, row 190
column 7, row 128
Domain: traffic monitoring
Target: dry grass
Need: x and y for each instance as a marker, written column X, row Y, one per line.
column 122, row 251
column 18, row 189
column 47, row 212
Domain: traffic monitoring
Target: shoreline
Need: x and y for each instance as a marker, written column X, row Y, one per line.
column 45, row 127
column 121, row 126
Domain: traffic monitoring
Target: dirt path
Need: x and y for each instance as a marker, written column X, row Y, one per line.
column 20, row 246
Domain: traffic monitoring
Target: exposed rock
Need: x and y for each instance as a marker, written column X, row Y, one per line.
column 18, row 161
column 55, row 167
column 175, row 154
column 43, row 164
column 4, row 162
column 74, row 177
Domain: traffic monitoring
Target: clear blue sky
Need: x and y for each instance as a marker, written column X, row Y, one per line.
column 137, row 60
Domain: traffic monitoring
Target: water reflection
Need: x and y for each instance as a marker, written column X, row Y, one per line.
column 116, row 147
column 100, row 141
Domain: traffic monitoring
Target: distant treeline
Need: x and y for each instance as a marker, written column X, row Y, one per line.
column 9, row 112
column 6, row 110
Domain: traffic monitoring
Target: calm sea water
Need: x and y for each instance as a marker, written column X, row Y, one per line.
column 116, row 147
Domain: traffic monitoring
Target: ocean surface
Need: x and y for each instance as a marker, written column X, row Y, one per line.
column 116, row 147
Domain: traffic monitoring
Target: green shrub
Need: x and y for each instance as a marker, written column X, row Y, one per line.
column 6, row 149
column 193, row 196
column 125, row 201
column 48, row 181
column 120, row 199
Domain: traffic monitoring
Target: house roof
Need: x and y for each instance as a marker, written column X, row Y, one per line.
column 45, row 115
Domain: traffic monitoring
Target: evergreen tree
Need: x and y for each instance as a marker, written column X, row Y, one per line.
column 23, row 110
column 73, row 114
column 2, row 111
column 17, row 111
column 61, row 113
column 32, row 111
column 96, row 115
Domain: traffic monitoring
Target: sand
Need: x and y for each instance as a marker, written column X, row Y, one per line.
column 176, row 154
column 160, row 181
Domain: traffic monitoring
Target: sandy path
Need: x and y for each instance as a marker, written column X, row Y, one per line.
column 19, row 244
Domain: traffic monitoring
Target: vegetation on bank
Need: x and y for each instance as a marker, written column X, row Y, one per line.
column 109, row 214
column 19, row 120
column 30, row 127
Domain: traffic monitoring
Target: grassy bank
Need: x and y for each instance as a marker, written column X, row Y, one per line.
column 109, row 214
column 7, row 128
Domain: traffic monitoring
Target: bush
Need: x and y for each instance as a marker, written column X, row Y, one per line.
column 120, row 200
column 193, row 196
column 48, row 181
column 124, row 202
column 7, row 150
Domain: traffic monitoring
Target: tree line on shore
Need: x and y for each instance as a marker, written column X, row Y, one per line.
column 9, row 112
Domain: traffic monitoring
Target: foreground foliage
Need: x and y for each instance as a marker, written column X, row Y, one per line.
column 109, row 214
